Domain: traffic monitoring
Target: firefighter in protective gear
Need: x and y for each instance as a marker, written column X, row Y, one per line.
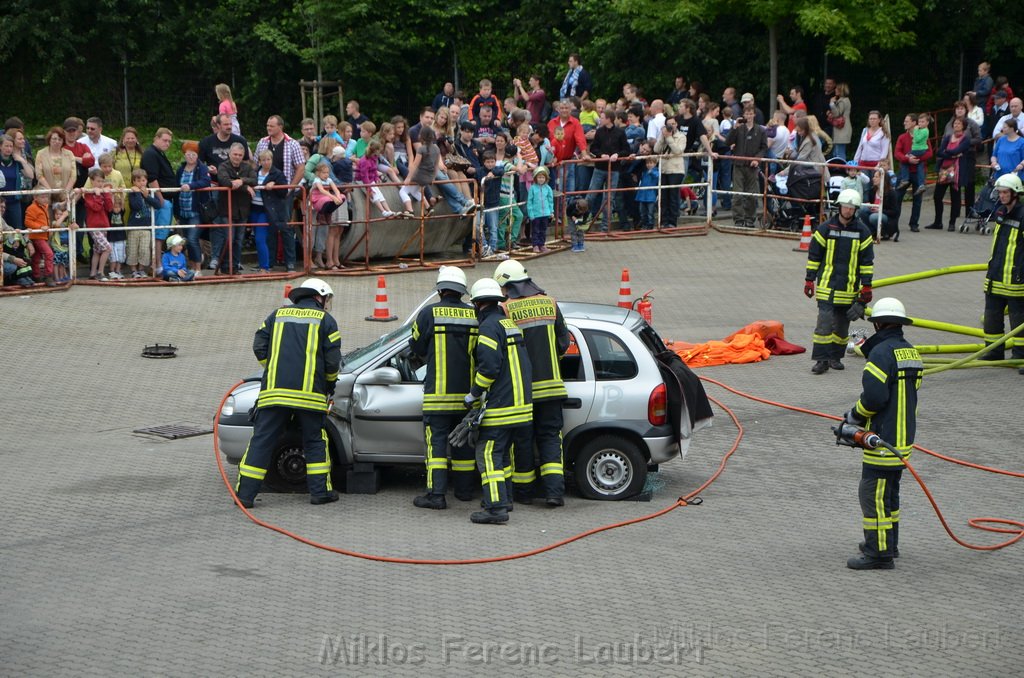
column 299, row 347
column 841, row 262
column 887, row 406
column 502, row 374
column 1004, row 279
column 444, row 335
column 547, row 340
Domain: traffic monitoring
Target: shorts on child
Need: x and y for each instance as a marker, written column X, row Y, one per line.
column 117, row 252
column 99, row 241
column 137, row 252
column 60, row 257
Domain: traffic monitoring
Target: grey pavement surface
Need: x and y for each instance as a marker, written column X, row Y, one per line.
column 121, row 554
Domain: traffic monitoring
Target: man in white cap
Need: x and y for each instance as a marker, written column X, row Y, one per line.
column 748, row 98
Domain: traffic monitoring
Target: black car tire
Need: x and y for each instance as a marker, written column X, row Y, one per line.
column 610, row 467
column 287, row 469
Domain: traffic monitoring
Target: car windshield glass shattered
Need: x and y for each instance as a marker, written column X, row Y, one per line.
column 353, row 360
column 359, row 357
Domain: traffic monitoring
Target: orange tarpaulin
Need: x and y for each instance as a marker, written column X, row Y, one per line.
column 750, row 344
column 741, row 348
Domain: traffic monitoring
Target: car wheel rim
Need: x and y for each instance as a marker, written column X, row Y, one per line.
column 291, row 465
column 609, row 472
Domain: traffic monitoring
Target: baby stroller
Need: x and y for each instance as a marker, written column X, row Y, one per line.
column 836, row 173
column 786, row 214
column 984, row 207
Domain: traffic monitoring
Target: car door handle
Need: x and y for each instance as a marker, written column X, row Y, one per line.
column 572, row 404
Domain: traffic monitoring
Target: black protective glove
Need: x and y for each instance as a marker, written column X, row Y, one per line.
column 855, row 312
column 851, row 417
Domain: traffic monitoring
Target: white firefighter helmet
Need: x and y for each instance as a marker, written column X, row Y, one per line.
column 451, row 278
column 1010, row 181
column 510, row 270
column 309, row 288
column 486, row 288
column 849, row 197
column 889, row 310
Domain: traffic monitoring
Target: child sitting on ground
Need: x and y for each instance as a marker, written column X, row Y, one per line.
column 98, row 206
column 17, row 255
column 140, row 209
column 175, row 265
column 540, row 204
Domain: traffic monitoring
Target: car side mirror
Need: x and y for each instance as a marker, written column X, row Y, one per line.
column 382, row 376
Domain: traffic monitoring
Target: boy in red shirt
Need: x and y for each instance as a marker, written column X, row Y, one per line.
column 98, row 206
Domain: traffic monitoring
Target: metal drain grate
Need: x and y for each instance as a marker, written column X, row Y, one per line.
column 174, row 431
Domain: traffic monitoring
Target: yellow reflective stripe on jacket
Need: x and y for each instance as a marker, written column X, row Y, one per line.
column 275, row 348
column 874, row 371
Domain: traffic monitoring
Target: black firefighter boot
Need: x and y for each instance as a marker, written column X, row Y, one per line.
column 866, row 562
column 490, row 516
column 430, row 501
column 820, row 367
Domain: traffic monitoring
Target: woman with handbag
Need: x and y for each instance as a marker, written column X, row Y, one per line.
column 838, row 117
column 953, row 154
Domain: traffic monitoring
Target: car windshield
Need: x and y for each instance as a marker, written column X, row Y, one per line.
column 359, row 357
column 355, row 359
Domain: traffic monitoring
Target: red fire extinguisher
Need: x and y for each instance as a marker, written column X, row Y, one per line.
column 643, row 306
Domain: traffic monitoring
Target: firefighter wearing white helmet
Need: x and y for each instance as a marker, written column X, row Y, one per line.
column 547, row 339
column 1004, row 278
column 503, row 374
column 299, row 347
column 840, row 265
column 444, row 336
column 887, row 406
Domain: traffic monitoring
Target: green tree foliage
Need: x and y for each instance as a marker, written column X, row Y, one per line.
column 393, row 55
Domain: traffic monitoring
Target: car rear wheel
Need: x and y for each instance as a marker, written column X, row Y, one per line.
column 610, row 467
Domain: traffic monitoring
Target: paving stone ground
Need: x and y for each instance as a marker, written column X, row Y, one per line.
column 120, row 554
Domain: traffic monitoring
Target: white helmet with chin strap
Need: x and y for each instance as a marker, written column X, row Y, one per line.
column 311, row 287
column 451, row 278
column 889, row 310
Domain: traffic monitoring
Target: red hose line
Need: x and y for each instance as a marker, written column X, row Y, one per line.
column 1017, row 528
column 682, row 501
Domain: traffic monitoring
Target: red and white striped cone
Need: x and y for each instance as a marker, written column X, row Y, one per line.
column 805, row 237
column 380, row 305
column 625, row 294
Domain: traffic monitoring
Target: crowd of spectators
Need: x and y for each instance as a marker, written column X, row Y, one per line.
column 477, row 151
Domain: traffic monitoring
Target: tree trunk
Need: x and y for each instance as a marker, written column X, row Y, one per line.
column 773, row 69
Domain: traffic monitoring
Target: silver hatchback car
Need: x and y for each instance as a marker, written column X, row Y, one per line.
column 617, row 421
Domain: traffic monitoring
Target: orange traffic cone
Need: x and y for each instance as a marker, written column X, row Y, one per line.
column 380, row 305
column 287, row 290
column 805, row 237
column 625, row 294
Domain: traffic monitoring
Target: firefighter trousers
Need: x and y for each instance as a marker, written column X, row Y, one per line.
column 269, row 424
column 493, row 461
column 995, row 306
column 879, row 494
column 546, row 434
column 436, row 428
column 830, row 331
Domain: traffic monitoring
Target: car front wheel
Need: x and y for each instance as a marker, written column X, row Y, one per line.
column 287, row 469
column 609, row 468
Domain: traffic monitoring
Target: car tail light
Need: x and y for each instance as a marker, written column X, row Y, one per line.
column 657, row 406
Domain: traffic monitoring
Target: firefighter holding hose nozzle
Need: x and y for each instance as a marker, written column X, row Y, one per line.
column 887, row 406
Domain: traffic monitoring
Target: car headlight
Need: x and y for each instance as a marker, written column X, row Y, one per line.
column 229, row 407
